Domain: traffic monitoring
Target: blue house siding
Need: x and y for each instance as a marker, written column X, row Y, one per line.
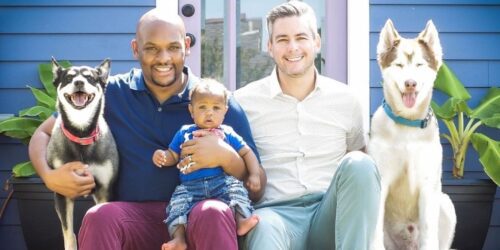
column 470, row 35
column 81, row 31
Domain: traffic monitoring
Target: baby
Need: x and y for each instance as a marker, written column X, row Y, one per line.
column 209, row 100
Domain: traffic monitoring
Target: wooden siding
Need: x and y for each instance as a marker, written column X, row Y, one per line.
column 32, row 31
column 470, row 35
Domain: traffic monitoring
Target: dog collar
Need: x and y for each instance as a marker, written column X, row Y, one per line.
column 411, row 123
column 82, row 140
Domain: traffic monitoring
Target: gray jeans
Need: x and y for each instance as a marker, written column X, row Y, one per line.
column 342, row 218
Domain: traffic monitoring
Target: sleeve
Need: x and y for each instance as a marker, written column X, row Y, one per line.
column 237, row 119
column 233, row 138
column 355, row 137
column 175, row 144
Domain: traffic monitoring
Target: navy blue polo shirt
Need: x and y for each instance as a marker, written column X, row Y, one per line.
column 140, row 125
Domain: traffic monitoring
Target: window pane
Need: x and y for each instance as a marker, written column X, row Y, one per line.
column 212, row 37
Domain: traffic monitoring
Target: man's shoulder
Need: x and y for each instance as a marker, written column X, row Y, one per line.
column 332, row 86
column 125, row 78
column 258, row 86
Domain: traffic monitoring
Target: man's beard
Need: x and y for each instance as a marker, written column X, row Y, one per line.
column 167, row 84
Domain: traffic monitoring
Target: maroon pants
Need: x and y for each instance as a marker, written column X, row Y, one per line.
column 134, row 225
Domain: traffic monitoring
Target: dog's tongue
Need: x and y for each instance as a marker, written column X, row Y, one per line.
column 409, row 99
column 79, row 99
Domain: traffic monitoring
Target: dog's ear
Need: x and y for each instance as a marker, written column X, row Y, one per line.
column 429, row 37
column 56, row 69
column 103, row 70
column 389, row 40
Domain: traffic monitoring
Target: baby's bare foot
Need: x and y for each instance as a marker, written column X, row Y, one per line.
column 246, row 224
column 175, row 244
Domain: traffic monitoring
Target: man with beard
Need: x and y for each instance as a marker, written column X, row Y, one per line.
column 144, row 108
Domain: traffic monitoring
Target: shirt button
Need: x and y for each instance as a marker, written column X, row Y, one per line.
column 159, row 109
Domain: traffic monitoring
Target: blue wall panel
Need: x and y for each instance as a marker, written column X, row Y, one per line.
column 41, row 47
column 70, row 19
column 11, row 154
column 82, row 3
column 455, row 19
column 434, row 2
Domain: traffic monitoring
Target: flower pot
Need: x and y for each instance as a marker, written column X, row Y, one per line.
column 473, row 201
column 39, row 221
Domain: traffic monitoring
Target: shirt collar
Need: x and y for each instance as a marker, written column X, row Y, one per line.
column 275, row 88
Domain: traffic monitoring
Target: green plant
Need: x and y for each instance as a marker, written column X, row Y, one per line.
column 462, row 123
column 24, row 125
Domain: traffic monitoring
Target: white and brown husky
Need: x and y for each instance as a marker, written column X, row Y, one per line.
column 404, row 142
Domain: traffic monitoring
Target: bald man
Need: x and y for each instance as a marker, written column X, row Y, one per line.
column 144, row 109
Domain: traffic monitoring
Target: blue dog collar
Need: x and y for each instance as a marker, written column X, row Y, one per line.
column 411, row 123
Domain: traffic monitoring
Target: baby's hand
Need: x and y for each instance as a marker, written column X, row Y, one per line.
column 253, row 183
column 159, row 158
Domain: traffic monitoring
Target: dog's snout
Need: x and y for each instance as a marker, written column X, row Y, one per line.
column 79, row 84
column 410, row 83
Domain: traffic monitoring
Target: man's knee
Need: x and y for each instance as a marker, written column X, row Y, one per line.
column 210, row 209
column 217, row 216
column 358, row 166
column 101, row 214
column 270, row 230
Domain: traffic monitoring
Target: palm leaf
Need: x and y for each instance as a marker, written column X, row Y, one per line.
column 23, row 169
column 41, row 111
column 19, row 124
column 447, row 82
column 489, row 155
column 43, row 98
column 489, row 108
column 450, row 108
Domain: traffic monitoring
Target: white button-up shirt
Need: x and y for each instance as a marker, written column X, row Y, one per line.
column 301, row 142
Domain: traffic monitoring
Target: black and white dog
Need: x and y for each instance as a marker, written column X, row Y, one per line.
column 81, row 134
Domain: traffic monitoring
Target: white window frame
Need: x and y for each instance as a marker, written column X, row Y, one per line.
column 358, row 54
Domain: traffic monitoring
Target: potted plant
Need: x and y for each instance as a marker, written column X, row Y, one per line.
column 33, row 198
column 473, row 198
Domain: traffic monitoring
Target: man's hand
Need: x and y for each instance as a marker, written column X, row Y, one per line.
column 72, row 180
column 202, row 152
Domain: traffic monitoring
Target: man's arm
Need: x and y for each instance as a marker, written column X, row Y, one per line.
column 71, row 180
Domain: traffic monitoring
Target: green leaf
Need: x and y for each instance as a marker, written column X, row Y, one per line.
column 23, row 169
column 448, row 82
column 450, row 108
column 42, row 112
column 493, row 121
column 19, row 134
column 489, row 155
column 43, row 98
column 489, row 107
column 47, row 78
column 19, row 124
